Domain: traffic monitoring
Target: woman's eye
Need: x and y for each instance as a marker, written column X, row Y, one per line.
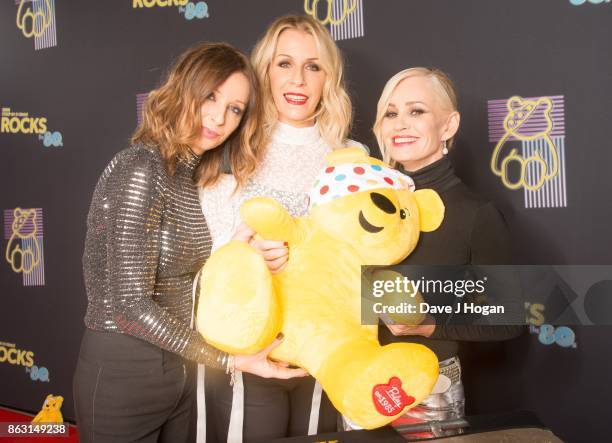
column 211, row 97
column 417, row 112
column 390, row 114
column 284, row 64
column 236, row 110
column 313, row 67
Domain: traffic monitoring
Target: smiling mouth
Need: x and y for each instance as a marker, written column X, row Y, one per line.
column 369, row 227
column 403, row 140
column 295, row 99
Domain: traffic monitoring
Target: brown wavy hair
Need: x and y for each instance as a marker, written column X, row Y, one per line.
column 172, row 115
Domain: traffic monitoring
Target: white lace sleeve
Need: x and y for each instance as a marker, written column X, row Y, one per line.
column 220, row 208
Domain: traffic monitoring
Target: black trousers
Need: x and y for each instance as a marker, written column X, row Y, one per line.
column 128, row 390
column 272, row 408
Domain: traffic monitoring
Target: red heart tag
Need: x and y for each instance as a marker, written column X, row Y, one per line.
column 390, row 399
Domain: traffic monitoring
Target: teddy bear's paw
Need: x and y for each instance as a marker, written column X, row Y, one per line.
column 393, row 379
column 241, row 314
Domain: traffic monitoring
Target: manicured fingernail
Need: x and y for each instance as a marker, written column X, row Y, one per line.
column 280, row 336
column 286, row 243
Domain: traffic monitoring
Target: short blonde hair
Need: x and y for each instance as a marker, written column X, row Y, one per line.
column 335, row 111
column 172, row 122
column 442, row 84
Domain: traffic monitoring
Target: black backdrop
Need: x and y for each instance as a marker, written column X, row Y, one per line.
column 85, row 84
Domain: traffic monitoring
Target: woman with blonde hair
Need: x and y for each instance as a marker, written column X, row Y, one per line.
column 417, row 119
column 147, row 238
column 306, row 114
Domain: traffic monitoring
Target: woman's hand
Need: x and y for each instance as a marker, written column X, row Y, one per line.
column 425, row 329
column 260, row 364
column 275, row 253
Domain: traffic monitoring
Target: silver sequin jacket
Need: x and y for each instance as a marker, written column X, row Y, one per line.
column 146, row 240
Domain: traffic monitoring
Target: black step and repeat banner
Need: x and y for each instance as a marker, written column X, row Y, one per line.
column 74, row 76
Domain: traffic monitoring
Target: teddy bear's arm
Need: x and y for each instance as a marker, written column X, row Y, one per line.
column 270, row 219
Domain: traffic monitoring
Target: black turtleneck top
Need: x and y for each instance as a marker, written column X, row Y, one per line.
column 473, row 232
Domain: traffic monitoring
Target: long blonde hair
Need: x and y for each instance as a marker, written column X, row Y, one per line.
column 172, row 115
column 335, row 111
column 443, row 86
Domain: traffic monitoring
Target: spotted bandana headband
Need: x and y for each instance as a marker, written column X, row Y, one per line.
column 350, row 178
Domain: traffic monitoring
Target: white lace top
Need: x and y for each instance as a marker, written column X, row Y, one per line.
column 293, row 159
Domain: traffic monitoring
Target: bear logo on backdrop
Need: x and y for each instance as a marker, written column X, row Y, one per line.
column 538, row 123
column 23, row 228
column 13, row 122
column 344, row 17
column 36, row 18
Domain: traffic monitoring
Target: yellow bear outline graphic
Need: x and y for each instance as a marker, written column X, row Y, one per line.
column 45, row 20
column 519, row 112
column 346, row 10
column 20, row 218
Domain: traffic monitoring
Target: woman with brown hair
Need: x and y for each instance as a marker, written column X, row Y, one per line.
column 306, row 114
column 147, row 238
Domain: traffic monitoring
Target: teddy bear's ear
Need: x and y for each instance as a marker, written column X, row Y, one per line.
column 546, row 103
column 514, row 102
column 60, row 400
column 431, row 209
column 347, row 155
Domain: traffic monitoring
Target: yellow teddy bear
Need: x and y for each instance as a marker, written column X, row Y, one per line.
column 51, row 410
column 361, row 213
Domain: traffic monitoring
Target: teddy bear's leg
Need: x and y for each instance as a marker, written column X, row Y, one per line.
column 238, row 309
column 378, row 383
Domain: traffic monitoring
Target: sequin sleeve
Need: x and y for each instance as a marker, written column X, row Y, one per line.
column 138, row 202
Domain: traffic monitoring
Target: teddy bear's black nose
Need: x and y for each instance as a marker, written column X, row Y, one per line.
column 383, row 203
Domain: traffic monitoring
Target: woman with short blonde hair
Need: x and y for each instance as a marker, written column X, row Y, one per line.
column 441, row 84
column 416, row 122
